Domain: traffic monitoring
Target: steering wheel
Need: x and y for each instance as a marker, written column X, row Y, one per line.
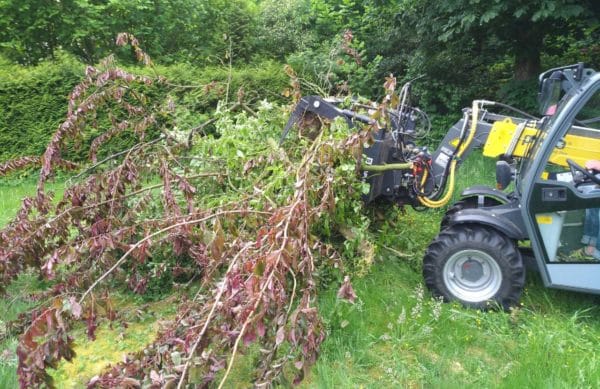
column 575, row 167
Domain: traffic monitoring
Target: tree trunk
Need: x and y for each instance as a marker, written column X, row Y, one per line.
column 527, row 51
column 527, row 65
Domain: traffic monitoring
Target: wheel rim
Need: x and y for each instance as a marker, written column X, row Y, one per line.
column 472, row 276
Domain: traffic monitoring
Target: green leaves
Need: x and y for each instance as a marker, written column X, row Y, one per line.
column 555, row 10
column 32, row 30
column 489, row 15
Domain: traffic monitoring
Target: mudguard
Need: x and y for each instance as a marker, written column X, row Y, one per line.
column 504, row 218
column 481, row 192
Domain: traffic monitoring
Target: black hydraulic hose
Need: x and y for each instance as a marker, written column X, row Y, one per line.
column 510, row 107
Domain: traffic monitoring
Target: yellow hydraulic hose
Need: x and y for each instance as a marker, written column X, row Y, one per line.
column 444, row 200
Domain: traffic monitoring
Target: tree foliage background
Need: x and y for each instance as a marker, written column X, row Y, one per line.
column 462, row 49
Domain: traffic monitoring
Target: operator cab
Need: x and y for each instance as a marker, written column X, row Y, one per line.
column 562, row 197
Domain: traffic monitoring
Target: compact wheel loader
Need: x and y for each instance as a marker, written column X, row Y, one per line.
column 550, row 218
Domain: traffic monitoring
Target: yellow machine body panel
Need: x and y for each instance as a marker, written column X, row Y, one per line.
column 580, row 147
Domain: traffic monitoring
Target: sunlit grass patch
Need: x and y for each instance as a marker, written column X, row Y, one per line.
column 113, row 342
column 110, row 347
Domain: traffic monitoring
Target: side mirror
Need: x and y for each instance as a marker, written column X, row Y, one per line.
column 503, row 175
column 550, row 93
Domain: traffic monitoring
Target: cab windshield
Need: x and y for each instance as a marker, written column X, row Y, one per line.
column 544, row 125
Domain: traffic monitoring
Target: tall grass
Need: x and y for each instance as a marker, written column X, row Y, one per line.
column 396, row 335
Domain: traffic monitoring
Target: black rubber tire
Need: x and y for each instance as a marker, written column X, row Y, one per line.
column 468, row 238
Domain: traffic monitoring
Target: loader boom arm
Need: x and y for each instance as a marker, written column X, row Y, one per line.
column 400, row 171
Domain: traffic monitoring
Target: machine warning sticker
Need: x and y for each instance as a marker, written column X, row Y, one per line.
column 446, row 150
column 543, row 219
column 442, row 160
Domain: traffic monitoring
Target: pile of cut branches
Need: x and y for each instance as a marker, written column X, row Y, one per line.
column 249, row 226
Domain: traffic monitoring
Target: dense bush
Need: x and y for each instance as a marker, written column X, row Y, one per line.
column 32, row 104
column 33, row 99
column 285, row 27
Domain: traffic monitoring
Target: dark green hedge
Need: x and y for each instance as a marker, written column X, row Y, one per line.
column 33, row 100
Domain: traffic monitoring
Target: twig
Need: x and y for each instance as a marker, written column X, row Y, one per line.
column 247, row 321
column 113, row 193
column 248, row 109
column 174, row 158
column 293, row 293
column 198, row 128
column 142, row 190
column 161, row 231
column 185, row 86
column 229, row 75
column 239, row 104
column 212, row 310
column 306, row 160
column 116, row 155
column 398, row 253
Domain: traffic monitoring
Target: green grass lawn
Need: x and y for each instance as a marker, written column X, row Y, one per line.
column 13, row 192
column 396, row 335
